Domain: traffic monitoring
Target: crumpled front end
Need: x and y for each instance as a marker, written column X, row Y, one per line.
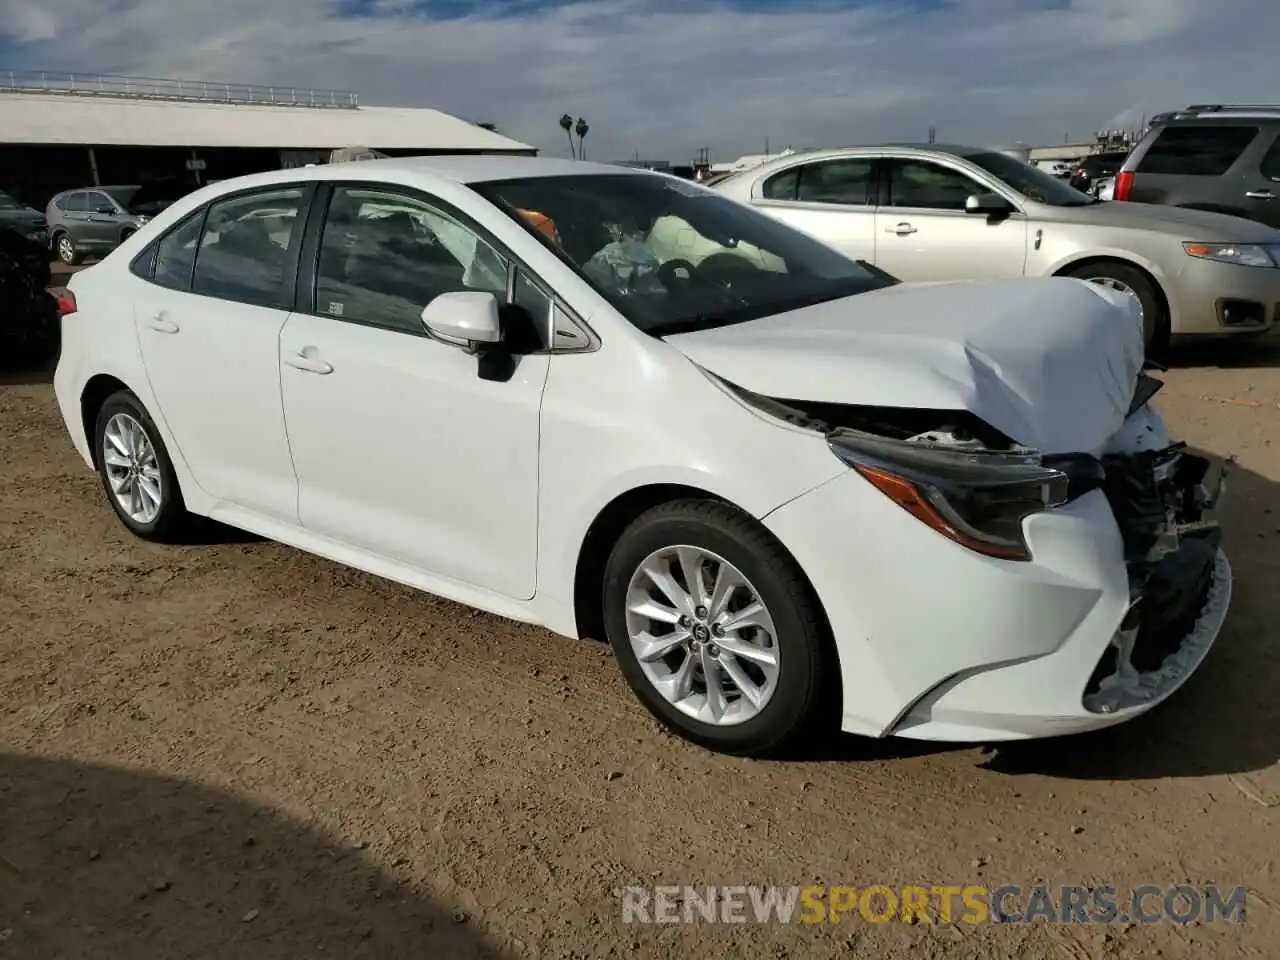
column 1164, row 499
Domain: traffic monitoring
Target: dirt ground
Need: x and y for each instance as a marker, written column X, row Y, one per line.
column 236, row 750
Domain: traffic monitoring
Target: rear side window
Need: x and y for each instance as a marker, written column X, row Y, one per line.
column 244, row 250
column 1271, row 162
column 176, row 254
column 77, row 203
column 1196, row 150
column 782, row 186
column 845, row 182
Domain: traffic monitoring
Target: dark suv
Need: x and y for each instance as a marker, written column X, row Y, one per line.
column 1224, row 158
column 1095, row 167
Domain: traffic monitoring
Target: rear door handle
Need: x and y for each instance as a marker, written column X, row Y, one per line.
column 1260, row 195
column 162, row 324
column 300, row 361
column 902, row 229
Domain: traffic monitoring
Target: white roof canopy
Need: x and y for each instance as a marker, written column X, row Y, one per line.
column 88, row 120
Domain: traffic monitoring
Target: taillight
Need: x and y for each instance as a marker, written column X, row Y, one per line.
column 66, row 302
column 1124, row 185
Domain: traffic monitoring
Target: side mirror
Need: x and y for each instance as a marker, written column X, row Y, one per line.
column 105, row 210
column 987, row 205
column 464, row 318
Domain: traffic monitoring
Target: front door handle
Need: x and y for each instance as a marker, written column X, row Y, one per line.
column 902, row 229
column 300, row 361
column 1260, row 195
column 162, row 324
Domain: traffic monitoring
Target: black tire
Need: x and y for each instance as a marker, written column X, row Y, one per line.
column 64, row 245
column 172, row 519
column 806, row 661
column 1155, row 319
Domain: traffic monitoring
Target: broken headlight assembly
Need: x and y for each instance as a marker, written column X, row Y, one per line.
column 977, row 499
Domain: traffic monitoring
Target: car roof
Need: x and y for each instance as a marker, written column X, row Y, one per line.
column 455, row 168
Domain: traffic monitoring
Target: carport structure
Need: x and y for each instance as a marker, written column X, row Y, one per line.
column 59, row 131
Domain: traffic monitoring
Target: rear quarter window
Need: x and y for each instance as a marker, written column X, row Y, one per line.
column 1199, row 150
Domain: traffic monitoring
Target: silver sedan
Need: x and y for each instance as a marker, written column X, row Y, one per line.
column 950, row 213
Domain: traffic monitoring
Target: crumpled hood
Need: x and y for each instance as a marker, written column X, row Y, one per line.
column 1051, row 363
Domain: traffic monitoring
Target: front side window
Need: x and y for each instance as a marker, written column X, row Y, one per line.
column 1271, row 161
column 1031, row 182
column 673, row 256
column 846, row 182
column 100, row 203
column 919, row 184
column 244, row 251
column 384, row 256
column 1197, row 150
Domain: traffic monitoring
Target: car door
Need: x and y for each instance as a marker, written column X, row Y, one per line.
column 209, row 321
column 76, row 213
column 830, row 199
column 407, row 447
column 102, row 221
column 1262, row 184
column 924, row 233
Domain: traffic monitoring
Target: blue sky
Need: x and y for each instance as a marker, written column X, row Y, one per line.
column 662, row 78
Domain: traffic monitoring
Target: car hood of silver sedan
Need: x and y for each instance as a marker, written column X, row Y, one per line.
column 1186, row 224
column 1050, row 363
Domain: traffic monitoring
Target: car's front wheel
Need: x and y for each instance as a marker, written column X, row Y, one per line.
column 1133, row 282
column 136, row 471
column 716, row 628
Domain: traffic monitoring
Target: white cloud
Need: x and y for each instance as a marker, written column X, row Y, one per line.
column 661, row 79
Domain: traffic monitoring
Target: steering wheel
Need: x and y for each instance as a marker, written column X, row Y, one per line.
column 724, row 268
column 669, row 271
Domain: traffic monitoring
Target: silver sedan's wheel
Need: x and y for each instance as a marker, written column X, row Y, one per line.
column 132, row 468
column 702, row 635
column 1119, row 286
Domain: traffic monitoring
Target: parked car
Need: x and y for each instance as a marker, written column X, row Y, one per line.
column 1222, row 158
column 22, row 219
column 95, row 221
column 950, row 213
column 28, row 312
column 1096, row 166
column 747, row 465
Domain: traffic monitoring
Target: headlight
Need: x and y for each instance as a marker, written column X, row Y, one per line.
column 976, row 499
column 1245, row 254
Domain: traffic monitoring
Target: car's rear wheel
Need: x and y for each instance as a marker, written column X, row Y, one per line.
column 1132, row 281
column 716, row 629
column 136, row 471
column 64, row 245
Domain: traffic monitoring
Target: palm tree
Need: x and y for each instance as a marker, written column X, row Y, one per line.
column 581, row 130
column 566, row 124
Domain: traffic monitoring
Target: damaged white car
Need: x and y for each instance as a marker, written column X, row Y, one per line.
column 612, row 402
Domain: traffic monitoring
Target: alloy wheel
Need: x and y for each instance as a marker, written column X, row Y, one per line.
column 1119, row 286
column 702, row 635
column 132, row 468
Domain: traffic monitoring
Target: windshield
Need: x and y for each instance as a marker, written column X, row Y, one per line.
column 673, row 257
column 8, row 203
column 1032, row 183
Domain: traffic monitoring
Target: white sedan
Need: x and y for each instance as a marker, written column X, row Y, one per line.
column 773, row 477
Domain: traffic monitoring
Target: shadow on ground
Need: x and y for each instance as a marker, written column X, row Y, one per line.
column 1243, row 353
column 103, row 862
